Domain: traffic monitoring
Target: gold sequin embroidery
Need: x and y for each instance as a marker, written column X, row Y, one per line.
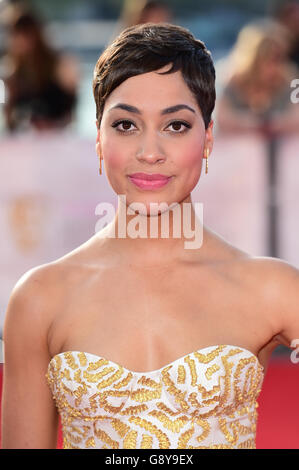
column 205, row 400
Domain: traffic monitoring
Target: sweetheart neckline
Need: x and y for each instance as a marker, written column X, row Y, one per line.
column 164, row 367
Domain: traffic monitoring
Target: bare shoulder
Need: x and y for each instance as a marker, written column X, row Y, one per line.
column 39, row 291
column 31, row 284
column 42, row 286
column 35, row 303
column 30, row 307
column 277, row 282
column 36, row 283
column 273, row 274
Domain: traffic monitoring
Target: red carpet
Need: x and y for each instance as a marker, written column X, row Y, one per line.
column 278, row 421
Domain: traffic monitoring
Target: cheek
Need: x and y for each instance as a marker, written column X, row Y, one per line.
column 115, row 157
column 190, row 157
column 190, row 164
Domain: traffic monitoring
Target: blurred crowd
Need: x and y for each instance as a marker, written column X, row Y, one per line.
column 258, row 75
column 41, row 83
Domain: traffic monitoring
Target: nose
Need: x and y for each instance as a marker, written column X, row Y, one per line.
column 150, row 149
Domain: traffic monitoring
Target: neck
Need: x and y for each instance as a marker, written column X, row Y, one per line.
column 157, row 239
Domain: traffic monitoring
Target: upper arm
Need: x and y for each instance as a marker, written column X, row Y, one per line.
column 286, row 285
column 290, row 301
column 29, row 416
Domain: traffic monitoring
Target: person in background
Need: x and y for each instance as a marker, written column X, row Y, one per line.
column 41, row 83
column 257, row 87
column 145, row 12
column 136, row 12
column 288, row 15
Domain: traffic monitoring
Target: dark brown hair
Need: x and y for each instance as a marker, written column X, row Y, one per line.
column 148, row 47
column 41, row 63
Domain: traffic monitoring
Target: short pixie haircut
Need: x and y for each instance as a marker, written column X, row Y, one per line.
column 148, row 47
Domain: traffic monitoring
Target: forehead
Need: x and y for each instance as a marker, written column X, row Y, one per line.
column 153, row 89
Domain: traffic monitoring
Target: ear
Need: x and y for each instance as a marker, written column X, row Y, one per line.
column 209, row 139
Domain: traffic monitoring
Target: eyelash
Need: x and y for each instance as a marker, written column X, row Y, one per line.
column 115, row 124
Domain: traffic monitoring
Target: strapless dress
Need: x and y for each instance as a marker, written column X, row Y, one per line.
column 206, row 399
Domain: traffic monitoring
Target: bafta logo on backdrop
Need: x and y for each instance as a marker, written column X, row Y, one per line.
column 27, row 221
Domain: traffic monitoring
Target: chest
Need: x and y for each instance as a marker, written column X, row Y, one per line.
column 166, row 311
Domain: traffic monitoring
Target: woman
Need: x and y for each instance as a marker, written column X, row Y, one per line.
column 41, row 83
column 136, row 12
column 288, row 15
column 145, row 343
column 256, row 94
column 145, row 11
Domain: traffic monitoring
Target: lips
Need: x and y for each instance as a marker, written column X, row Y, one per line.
column 149, row 177
column 148, row 181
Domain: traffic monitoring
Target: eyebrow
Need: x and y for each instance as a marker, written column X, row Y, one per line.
column 171, row 109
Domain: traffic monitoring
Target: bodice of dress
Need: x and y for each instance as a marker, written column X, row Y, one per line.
column 206, row 399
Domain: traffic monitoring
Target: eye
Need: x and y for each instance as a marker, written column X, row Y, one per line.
column 126, row 127
column 127, row 124
column 178, row 124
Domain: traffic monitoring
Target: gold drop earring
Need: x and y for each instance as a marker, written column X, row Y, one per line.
column 100, row 169
column 100, row 151
column 206, row 156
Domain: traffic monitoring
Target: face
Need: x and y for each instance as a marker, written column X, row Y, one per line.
column 145, row 138
column 271, row 64
column 21, row 43
column 157, row 15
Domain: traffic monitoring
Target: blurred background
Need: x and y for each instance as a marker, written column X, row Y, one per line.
column 49, row 180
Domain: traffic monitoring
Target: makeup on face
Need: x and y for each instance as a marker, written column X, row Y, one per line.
column 149, row 181
column 152, row 135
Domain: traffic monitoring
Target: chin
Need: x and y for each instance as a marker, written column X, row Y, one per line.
column 150, row 207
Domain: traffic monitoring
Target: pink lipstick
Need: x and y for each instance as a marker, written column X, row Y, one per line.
column 149, row 181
